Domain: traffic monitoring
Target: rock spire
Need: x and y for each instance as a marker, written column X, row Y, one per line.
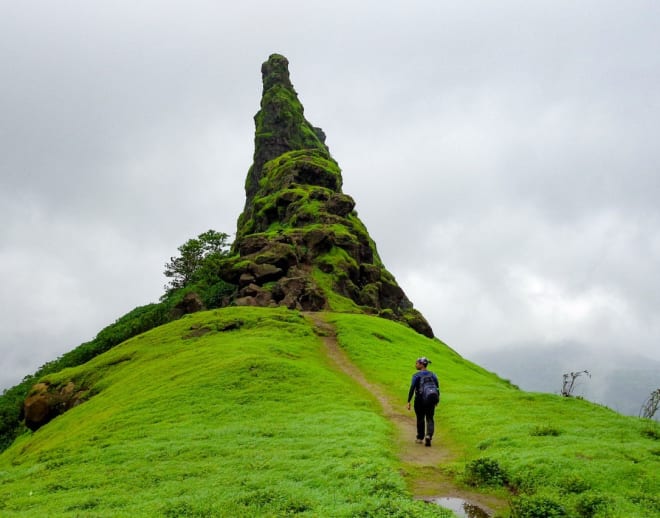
column 280, row 124
column 299, row 242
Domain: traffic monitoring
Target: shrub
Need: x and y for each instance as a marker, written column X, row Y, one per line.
column 484, row 445
column 485, row 472
column 574, row 484
column 544, row 431
column 648, row 501
column 591, row 503
column 215, row 295
column 11, row 406
column 651, row 433
column 536, row 507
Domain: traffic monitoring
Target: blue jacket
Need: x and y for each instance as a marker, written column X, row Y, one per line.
column 415, row 385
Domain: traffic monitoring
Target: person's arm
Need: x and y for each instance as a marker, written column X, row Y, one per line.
column 412, row 389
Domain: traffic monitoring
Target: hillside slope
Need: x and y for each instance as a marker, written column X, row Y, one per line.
column 240, row 412
column 188, row 419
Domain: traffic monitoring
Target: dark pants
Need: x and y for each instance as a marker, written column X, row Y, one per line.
column 424, row 413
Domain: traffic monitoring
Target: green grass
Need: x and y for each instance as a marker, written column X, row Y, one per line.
column 249, row 422
column 583, row 456
column 190, row 420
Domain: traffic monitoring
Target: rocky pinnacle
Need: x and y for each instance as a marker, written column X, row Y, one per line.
column 299, row 242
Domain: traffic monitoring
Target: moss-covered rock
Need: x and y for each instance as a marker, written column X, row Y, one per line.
column 299, row 242
column 45, row 401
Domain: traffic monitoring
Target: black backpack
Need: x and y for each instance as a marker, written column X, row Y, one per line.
column 428, row 390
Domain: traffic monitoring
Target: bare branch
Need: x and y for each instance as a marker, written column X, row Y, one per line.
column 650, row 406
column 569, row 382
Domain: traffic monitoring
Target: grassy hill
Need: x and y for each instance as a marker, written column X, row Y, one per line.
column 241, row 412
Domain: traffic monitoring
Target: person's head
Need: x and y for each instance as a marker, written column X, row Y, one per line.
column 422, row 363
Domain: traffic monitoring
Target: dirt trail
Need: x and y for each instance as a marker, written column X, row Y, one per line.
column 424, row 474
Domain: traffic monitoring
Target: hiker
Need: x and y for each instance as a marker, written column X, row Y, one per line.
column 426, row 388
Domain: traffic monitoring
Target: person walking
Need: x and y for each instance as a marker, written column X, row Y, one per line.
column 426, row 388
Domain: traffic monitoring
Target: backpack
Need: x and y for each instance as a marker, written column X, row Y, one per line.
column 428, row 390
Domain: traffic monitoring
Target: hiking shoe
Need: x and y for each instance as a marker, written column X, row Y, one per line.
column 419, row 441
column 427, row 441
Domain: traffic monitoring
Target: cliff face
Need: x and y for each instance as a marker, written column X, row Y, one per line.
column 299, row 243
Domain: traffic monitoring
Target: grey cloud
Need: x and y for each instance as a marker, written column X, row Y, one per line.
column 502, row 157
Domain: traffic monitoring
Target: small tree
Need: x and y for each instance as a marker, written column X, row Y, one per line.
column 569, row 382
column 195, row 252
column 650, row 406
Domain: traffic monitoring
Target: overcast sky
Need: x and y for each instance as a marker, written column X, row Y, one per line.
column 503, row 155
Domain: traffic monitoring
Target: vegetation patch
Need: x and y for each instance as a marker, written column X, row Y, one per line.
column 545, row 431
column 338, row 261
column 536, row 507
column 336, row 302
column 485, row 472
column 305, row 165
column 574, row 484
column 651, row 432
column 592, row 504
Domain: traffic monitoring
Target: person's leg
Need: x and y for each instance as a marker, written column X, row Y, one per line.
column 420, row 413
column 429, row 412
column 430, row 422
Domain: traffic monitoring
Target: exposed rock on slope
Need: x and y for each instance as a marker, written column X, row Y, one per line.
column 299, row 242
column 45, row 402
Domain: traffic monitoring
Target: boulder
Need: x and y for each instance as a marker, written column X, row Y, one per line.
column 45, row 402
column 191, row 303
column 340, row 204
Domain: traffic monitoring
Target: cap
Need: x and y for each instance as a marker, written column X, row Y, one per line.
column 424, row 360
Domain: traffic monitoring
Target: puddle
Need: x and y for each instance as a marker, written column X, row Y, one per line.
column 460, row 507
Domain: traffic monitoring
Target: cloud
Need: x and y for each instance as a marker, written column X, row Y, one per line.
column 502, row 157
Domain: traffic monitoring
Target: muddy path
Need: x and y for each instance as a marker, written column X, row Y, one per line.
column 422, row 466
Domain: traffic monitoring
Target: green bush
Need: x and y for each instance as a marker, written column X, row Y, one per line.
column 545, row 431
column 536, row 507
column 574, row 484
column 485, row 472
column 648, row 501
column 589, row 504
column 11, row 404
column 214, row 295
column 651, row 432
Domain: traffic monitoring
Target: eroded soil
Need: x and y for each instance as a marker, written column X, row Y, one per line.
column 422, row 466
